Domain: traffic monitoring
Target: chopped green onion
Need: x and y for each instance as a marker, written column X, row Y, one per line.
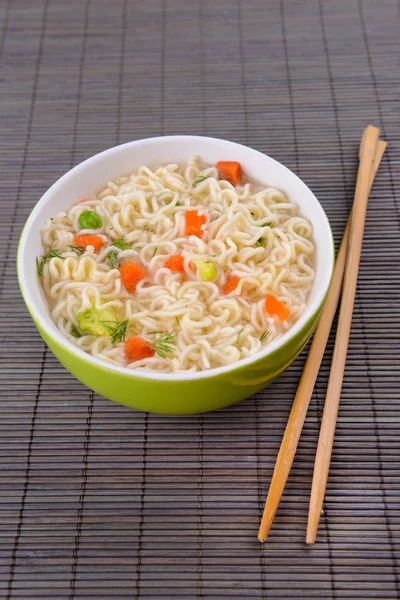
column 89, row 220
column 200, row 180
column 207, row 271
column 154, row 253
column 267, row 224
column 91, row 319
column 259, row 242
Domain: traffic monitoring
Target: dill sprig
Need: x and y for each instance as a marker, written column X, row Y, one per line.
column 116, row 329
column 45, row 257
column 264, row 336
column 112, row 258
column 121, row 244
column 163, row 345
column 200, row 180
column 77, row 249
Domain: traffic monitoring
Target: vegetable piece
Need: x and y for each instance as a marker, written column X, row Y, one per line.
column 163, row 345
column 136, row 348
column 175, row 263
column 121, row 244
column 275, row 307
column 91, row 319
column 77, row 249
column 155, row 252
column 86, row 240
column 193, row 223
column 207, row 270
column 116, row 329
column 259, row 242
column 112, row 258
column 131, row 274
column 45, row 257
column 75, row 331
column 264, row 336
column 200, row 180
column 230, row 171
column 231, row 284
column 89, row 220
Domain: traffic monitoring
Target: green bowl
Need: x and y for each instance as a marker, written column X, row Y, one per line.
column 173, row 393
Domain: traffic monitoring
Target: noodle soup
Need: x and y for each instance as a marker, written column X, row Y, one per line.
column 177, row 268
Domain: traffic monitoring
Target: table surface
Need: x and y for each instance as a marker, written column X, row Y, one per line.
column 98, row 501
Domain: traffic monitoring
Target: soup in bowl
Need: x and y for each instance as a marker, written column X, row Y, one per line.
column 177, row 274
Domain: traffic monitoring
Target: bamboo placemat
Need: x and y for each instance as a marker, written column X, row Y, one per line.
column 98, row 501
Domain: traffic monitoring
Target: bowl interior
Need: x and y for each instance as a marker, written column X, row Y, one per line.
column 90, row 175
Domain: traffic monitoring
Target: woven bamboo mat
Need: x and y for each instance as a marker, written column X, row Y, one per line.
column 98, row 501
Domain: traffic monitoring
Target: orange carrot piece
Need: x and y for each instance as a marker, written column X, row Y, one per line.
column 86, row 240
column 175, row 263
column 131, row 274
column 230, row 171
column 136, row 348
column 275, row 307
column 231, row 284
column 193, row 223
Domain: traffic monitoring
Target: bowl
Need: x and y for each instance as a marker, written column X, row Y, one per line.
column 169, row 392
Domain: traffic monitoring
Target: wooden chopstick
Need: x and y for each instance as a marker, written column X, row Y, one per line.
column 368, row 149
column 304, row 392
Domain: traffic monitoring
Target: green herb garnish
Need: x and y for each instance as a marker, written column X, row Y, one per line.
column 121, row 244
column 259, row 242
column 178, row 204
column 77, row 249
column 154, row 253
column 266, row 224
column 177, row 320
column 264, row 336
column 112, row 258
column 252, row 214
column 200, row 179
column 75, row 331
column 163, row 345
column 45, row 257
column 241, row 331
column 116, row 329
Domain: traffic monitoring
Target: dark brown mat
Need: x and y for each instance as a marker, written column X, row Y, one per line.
column 98, row 501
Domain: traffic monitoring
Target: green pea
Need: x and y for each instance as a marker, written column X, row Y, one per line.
column 89, row 220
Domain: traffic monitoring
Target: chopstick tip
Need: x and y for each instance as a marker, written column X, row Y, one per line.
column 311, row 535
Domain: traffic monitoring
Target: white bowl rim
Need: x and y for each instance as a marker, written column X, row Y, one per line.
column 52, row 331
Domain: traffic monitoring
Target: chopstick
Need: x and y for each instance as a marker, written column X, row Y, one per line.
column 304, row 392
column 368, row 149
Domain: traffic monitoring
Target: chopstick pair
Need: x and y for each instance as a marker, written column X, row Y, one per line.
column 346, row 271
